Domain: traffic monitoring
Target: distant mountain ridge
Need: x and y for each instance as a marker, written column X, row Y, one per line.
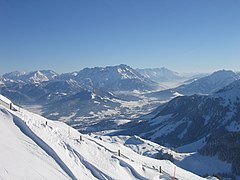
column 121, row 77
column 113, row 78
column 33, row 77
column 205, row 85
column 160, row 74
column 210, row 83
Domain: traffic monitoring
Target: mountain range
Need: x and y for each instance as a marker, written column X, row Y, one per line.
column 161, row 74
column 99, row 94
column 32, row 77
column 92, row 93
column 209, row 122
column 46, row 86
column 200, row 116
column 205, row 85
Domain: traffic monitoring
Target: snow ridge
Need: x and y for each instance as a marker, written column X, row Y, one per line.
column 27, row 131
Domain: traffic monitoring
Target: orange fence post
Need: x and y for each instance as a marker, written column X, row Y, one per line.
column 174, row 173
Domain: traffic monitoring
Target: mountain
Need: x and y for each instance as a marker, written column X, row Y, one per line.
column 210, row 121
column 43, row 86
column 204, row 85
column 82, row 95
column 112, row 78
column 15, row 75
column 33, row 77
column 160, row 74
column 34, row 147
column 209, row 84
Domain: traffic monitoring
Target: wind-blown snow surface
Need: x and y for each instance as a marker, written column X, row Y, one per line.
column 32, row 149
column 193, row 161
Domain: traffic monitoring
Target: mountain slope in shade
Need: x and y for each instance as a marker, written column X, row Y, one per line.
column 188, row 119
column 37, row 148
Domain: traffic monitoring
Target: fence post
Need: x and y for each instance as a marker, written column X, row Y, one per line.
column 119, row 154
column 174, row 173
column 80, row 138
column 68, row 131
column 160, row 169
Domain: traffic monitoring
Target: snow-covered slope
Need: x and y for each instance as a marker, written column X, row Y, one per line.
column 191, row 161
column 21, row 157
column 33, row 147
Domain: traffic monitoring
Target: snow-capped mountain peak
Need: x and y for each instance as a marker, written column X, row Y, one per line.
column 33, row 77
column 121, row 77
column 38, row 77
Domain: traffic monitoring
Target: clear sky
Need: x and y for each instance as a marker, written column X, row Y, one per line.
column 68, row 35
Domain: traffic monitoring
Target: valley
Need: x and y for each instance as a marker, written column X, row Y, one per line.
column 188, row 122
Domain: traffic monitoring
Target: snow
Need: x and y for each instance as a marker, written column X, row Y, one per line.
column 4, row 99
column 203, row 165
column 193, row 147
column 121, row 121
column 39, row 77
column 166, row 129
column 20, row 157
column 93, row 95
column 96, row 102
column 180, row 136
column 176, row 94
column 193, row 162
column 160, row 119
column 32, row 149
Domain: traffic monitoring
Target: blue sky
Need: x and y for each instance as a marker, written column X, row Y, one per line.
column 68, row 35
